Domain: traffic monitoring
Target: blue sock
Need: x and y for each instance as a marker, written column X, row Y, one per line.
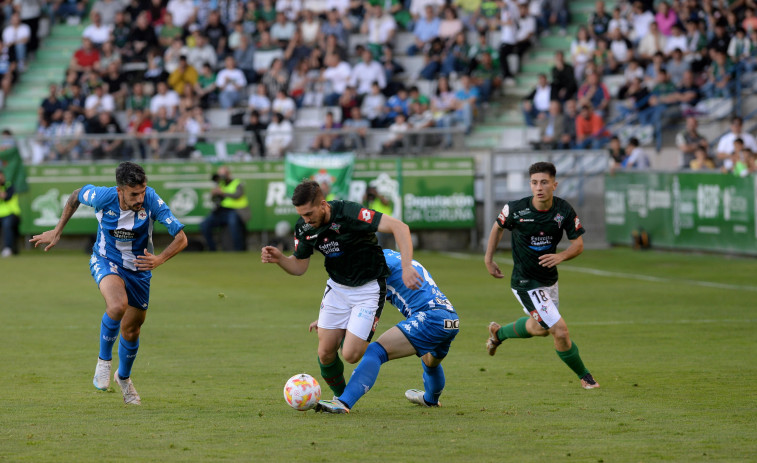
column 433, row 382
column 364, row 376
column 108, row 335
column 127, row 353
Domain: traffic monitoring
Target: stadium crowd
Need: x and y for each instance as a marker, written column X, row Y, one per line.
column 163, row 63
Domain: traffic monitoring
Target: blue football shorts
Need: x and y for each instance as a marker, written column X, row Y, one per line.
column 137, row 283
column 431, row 331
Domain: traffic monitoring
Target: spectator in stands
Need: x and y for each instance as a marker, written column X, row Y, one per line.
column 594, row 92
column 397, row 130
column 97, row 31
column 469, row 98
column 120, row 31
column 372, row 106
column 599, row 21
column 217, row 34
column 636, row 102
column 526, row 30
column 619, row 22
column 590, row 129
column 188, row 99
column 99, row 101
column 299, row 82
column 564, row 86
column 31, row 13
column 392, row 70
column 266, row 51
column 244, row 55
column 332, row 45
column 641, row 19
column 333, row 26
column 617, row 154
column 338, row 74
column 536, row 105
column 358, row 127
column 665, row 18
column 231, row 84
column 450, row 25
column 51, row 109
column 507, row 43
column 116, row 84
column 162, row 124
column 75, row 9
column 279, row 136
column 689, row 140
column 105, row 148
column 275, row 78
column 433, row 59
column 140, row 126
column 309, row 28
column 291, row 8
column 7, row 69
column 108, row 55
column 581, row 51
column 636, row 158
column 675, row 41
column 172, row 54
column 420, row 118
column 282, row 30
column 552, row 129
column 254, row 134
column 347, row 101
column 202, row 52
column 141, row 37
column 380, row 27
column 205, row 87
column 75, row 100
column 328, row 139
column 621, row 50
column 486, row 76
column 260, row 102
column 725, row 149
column 156, row 14
column 556, row 12
column 296, row 51
column 169, row 31
column 652, row 43
column 136, row 99
column 183, row 74
column 720, row 82
column 155, row 72
column 396, row 104
column 700, row 160
column 164, row 97
column 16, row 36
column 68, row 144
column 426, row 28
column 284, row 104
column 366, row 72
column 677, row 67
column 739, row 47
column 182, row 11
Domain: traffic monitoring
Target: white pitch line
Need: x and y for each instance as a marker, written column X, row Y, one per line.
column 630, row 276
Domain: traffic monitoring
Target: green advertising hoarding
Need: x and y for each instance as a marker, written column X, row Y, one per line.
column 683, row 210
column 427, row 194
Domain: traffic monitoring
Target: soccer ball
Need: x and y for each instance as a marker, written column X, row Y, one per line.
column 302, row 392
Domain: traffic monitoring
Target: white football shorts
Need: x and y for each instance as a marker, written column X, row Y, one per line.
column 540, row 304
column 354, row 308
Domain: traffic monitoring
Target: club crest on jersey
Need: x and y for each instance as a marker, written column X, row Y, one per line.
column 366, row 215
column 559, row 219
column 335, row 227
column 142, row 214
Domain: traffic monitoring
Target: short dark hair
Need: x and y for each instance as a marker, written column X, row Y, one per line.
column 307, row 192
column 542, row 168
column 130, row 174
column 633, row 141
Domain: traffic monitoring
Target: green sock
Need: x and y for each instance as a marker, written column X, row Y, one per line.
column 573, row 360
column 517, row 329
column 333, row 374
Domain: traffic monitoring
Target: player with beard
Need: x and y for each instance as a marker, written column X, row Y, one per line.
column 121, row 263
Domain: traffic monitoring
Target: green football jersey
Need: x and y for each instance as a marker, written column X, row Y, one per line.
column 348, row 241
column 535, row 233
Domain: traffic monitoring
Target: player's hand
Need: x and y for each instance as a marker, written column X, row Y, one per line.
column 50, row 237
column 147, row 261
column 411, row 278
column 550, row 260
column 494, row 270
column 270, row 255
column 313, row 327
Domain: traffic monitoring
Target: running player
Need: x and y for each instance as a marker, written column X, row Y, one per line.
column 345, row 233
column 121, row 263
column 537, row 223
column 431, row 325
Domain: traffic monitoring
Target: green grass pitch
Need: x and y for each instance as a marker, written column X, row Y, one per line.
column 669, row 336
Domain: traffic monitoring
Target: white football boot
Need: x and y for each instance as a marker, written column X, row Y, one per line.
column 127, row 389
column 416, row 396
column 102, row 374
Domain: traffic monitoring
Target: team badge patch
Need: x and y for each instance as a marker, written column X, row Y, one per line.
column 142, row 214
column 335, row 227
column 366, row 215
column 559, row 219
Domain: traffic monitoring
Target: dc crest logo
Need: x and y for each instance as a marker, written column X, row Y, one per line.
column 559, row 219
column 451, row 324
column 335, row 227
column 142, row 214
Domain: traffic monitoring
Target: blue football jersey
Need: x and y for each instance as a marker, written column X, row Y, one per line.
column 124, row 235
column 409, row 301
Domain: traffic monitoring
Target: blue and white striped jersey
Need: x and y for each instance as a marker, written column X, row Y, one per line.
column 123, row 235
column 409, row 301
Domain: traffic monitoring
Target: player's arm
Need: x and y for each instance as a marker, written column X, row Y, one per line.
column 550, row 260
column 401, row 232
column 495, row 235
column 53, row 236
column 290, row 264
column 151, row 261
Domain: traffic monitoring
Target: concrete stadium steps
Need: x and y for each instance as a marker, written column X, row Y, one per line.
column 48, row 65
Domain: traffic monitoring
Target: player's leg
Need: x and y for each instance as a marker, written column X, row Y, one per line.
column 567, row 350
column 113, row 290
column 524, row 327
column 367, row 304
column 332, row 367
column 438, row 329
column 389, row 346
column 433, row 382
